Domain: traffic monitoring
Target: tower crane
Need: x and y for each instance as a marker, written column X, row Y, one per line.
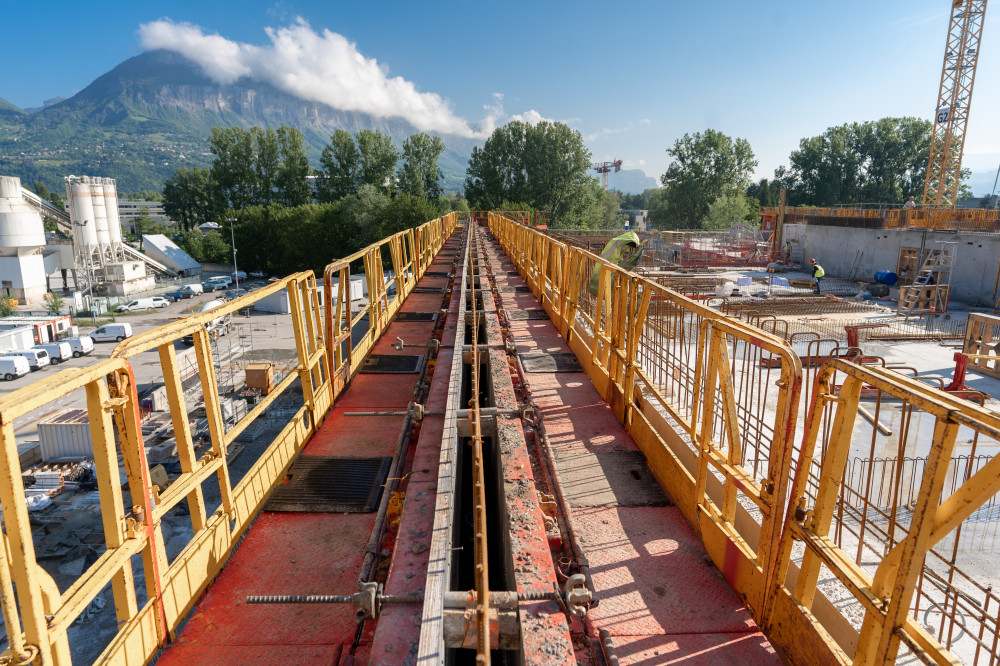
column 951, row 114
column 604, row 168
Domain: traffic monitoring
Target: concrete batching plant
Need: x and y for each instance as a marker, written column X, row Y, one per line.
column 22, row 240
column 97, row 237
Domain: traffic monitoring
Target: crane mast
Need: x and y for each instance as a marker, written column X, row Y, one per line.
column 951, row 115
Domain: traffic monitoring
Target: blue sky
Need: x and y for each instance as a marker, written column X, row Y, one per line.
column 632, row 77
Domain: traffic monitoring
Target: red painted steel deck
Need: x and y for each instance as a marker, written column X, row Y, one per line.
column 661, row 599
column 294, row 553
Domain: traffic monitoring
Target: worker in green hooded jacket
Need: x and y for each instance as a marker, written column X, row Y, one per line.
column 623, row 251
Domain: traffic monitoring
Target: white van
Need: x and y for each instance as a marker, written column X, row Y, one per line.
column 112, row 333
column 37, row 358
column 13, row 366
column 192, row 289
column 58, row 351
column 81, row 346
column 138, row 305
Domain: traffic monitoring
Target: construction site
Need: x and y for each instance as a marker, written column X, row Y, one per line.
column 481, row 440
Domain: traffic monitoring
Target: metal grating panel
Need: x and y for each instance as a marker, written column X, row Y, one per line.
column 521, row 315
column 331, row 484
column 437, row 274
column 546, row 362
column 520, row 289
column 416, row 316
column 390, row 364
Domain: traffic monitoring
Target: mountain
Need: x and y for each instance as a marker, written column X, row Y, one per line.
column 152, row 114
column 8, row 109
column 631, row 181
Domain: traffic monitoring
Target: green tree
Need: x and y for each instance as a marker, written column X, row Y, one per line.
column 361, row 217
column 215, row 249
column 766, row 192
column 193, row 246
column 7, row 306
column 377, row 159
column 544, row 166
column 53, row 303
column 881, row 161
column 291, row 179
column 419, row 173
column 705, row 166
column 47, row 194
column 729, row 209
column 340, row 171
column 659, row 209
column 406, row 211
column 233, row 168
column 190, row 197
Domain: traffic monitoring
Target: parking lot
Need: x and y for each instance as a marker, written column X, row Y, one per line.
column 262, row 333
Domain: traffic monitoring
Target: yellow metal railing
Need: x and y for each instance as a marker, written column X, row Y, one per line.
column 714, row 422
column 712, row 403
column 961, row 219
column 350, row 335
column 37, row 614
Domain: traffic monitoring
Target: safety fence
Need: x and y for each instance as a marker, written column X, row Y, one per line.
column 713, row 403
column 215, row 499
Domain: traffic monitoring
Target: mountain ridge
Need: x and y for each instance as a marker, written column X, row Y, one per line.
column 153, row 113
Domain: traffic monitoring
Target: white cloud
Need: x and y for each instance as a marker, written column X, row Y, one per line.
column 320, row 67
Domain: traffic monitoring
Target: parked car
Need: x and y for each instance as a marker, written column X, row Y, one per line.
column 37, row 358
column 140, row 304
column 174, row 296
column 257, row 274
column 235, row 293
column 81, row 346
column 220, row 279
column 213, row 286
column 189, row 290
column 12, row 367
column 57, row 351
column 112, row 333
column 160, row 301
column 238, row 276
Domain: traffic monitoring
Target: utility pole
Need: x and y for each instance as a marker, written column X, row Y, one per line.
column 232, row 238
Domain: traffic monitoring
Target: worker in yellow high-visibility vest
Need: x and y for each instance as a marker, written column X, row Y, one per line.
column 818, row 273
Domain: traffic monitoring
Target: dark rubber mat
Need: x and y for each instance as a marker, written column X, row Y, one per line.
column 416, row 316
column 546, row 362
column 390, row 364
column 428, row 290
column 514, row 290
column 436, row 274
column 330, row 484
column 521, row 315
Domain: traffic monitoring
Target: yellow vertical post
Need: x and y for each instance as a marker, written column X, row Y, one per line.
column 110, row 493
column 182, row 432
column 24, row 569
column 213, row 412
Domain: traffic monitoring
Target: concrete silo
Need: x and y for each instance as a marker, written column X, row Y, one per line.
column 111, row 210
column 81, row 213
column 22, row 240
column 100, row 213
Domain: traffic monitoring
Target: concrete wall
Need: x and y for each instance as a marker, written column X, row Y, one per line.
column 839, row 248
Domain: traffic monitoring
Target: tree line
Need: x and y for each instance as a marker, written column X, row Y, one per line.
column 258, row 184
column 707, row 184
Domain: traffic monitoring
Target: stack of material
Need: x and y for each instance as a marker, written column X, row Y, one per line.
column 47, row 482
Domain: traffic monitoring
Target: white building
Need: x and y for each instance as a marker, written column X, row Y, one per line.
column 22, row 241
